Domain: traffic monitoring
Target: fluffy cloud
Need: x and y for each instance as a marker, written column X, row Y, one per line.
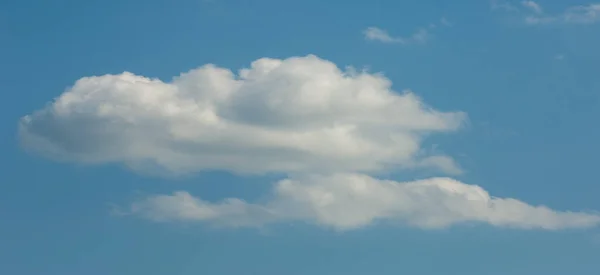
column 297, row 115
column 324, row 128
column 350, row 201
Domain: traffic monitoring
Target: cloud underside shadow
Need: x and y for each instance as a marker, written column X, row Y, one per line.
column 352, row 201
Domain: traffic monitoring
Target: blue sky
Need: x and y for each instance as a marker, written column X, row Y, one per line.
column 275, row 178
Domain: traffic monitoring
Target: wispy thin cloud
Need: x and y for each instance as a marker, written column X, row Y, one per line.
column 420, row 36
column 583, row 14
column 534, row 14
column 587, row 14
column 533, row 6
column 377, row 34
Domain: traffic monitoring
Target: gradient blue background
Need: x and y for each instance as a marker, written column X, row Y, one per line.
column 533, row 134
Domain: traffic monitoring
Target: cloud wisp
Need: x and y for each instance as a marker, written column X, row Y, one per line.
column 420, row 36
column 380, row 35
column 351, row 201
column 533, row 13
column 533, row 6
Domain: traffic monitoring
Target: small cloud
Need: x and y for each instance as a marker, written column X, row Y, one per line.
column 533, row 6
column 422, row 35
column 559, row 57
column 377, row 34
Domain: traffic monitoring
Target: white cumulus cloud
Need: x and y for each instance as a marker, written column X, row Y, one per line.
column 329, row 131
column 296, row 115
column 351, row 201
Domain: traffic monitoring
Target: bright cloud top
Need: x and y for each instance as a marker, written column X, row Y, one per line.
column 297, row 115
column 351, row 201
